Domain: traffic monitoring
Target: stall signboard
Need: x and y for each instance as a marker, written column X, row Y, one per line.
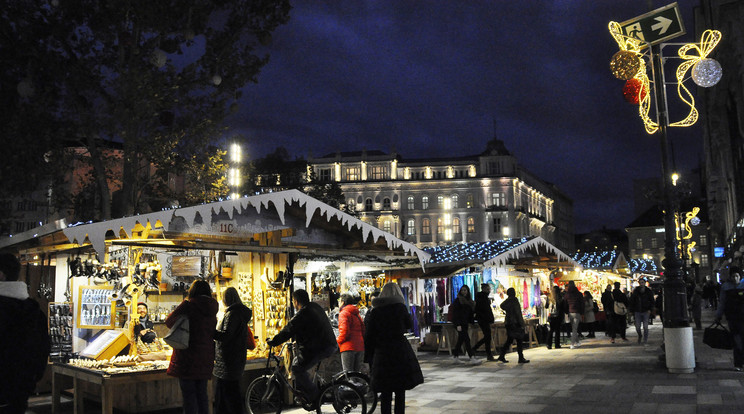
column 96, row 309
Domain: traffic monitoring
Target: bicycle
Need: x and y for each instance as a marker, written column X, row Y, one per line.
column 266, row 393
column 361, row 381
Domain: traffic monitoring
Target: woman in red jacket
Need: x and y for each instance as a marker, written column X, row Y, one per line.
column 193, row 365
column 350, row 335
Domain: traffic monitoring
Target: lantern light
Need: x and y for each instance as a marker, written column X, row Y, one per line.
column 216, row 80
column 625, row 64
column 707, row 73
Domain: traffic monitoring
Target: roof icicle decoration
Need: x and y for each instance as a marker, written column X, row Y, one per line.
column 96, row 232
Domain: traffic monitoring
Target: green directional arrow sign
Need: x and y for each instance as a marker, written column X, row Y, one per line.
column 655, row 26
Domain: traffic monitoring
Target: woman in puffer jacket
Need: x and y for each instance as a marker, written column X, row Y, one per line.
column 350, row 335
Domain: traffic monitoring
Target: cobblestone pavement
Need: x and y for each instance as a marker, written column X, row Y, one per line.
column 596, row 377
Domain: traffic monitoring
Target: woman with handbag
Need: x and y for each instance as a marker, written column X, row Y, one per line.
column 193, row 365
column 231, row 340
column 514, row 325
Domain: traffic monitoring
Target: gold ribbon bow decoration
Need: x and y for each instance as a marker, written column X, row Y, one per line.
column 708, row 42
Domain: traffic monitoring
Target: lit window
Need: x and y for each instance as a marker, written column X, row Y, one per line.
column 353, row 173
column 440, row 226
column 425, row 226
column 703, row 239
column 440, row 201
column 653, row 243
column 454, row 200
column 469, row 203
column 471, row 225
column 411, row 203
column 411, row 228
column 498, row 199
column 456, row 225
column 379, row 172
column 639, row 243
column 425, row 202
column 704, row 259
column 386, row 226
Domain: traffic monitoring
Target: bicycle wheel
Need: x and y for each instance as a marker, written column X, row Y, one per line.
column 263, row 397
column 341, row 397
column 361, row 382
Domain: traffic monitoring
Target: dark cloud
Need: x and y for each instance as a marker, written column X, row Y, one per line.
column 433, row 78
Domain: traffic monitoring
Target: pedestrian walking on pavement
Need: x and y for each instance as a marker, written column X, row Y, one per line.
column 555, row 317
column 393, row 364
column 514, row 323
column 607, row 305
column 463, row 311
column 731, row 305
column 484, row 316
column 641, row 304
column 620, row 311
column 575, row 301
column 696, row 307
column 590, row 307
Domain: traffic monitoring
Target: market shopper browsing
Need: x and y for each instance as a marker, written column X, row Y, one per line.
column 312, row 331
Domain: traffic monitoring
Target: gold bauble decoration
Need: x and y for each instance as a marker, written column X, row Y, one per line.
column 625, row 64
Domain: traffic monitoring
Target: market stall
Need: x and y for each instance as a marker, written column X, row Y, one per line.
column 103, row 270
column 524, row 264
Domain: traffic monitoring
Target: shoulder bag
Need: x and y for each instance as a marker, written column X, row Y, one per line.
column 620, row 308
column 178, row 336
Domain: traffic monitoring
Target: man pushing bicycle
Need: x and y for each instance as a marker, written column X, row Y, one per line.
column 311, row 329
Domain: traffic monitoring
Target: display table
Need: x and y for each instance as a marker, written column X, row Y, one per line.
column 135, row 392
column 447, row 334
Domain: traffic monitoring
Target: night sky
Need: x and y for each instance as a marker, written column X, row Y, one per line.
column 440, row 78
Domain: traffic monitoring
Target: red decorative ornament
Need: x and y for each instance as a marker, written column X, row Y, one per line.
column 632, row 89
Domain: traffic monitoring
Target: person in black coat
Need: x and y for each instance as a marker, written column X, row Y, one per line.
column 514, row 323
column 555, row 317
column 484, row 315
column 607, row 305
column 619, row 322
column 463, row 311
column 315, row 340
column 231, row 340
column 393, row 364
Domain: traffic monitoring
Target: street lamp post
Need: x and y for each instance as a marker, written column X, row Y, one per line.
column 628, row 64
column 675, row 294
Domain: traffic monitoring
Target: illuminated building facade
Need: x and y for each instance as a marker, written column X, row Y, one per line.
column 440, row 201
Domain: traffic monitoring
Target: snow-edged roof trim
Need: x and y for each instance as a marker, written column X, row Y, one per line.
column 96, row 232
column 532, row 244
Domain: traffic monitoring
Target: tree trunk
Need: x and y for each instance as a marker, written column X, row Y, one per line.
column 100, row 176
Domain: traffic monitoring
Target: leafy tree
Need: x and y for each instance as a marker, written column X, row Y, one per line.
column 158, row 77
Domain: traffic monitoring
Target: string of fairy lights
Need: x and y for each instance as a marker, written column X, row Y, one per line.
column 643, row 266
column 478, row 251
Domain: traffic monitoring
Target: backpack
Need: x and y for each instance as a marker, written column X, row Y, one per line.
column 620, row 308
